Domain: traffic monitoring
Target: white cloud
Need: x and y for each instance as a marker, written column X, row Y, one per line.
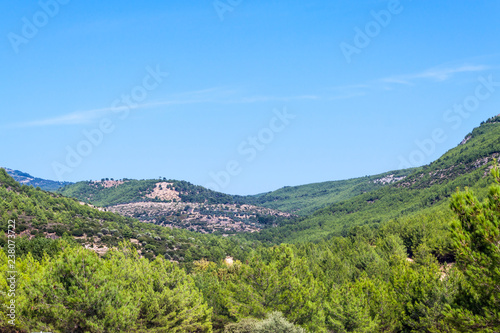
column 211, row 95
column 436, row 74
column 223, row 95
column 73, row 118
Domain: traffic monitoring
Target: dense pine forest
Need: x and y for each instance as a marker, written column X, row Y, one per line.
column 420, row 254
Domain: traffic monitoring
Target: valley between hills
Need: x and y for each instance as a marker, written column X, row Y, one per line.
column 403, row 251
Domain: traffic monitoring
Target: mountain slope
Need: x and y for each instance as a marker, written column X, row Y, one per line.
column 176, row 204
column 425, row 189
column 107, row 192
column 40, row 214
column 27, row 179
column 182, row 204
column 306, row 199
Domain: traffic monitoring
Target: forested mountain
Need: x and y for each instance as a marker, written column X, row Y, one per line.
column 421, row 192
column 176, row 203
column 413, row 256
column 306, row 199
column 301, row 200
column 361, row 283
column 182, row 204
column 27, row 179
column 45, row 215
column 109, row 192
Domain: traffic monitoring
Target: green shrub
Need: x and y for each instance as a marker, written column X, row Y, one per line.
column 273, row 323
column 77, row 233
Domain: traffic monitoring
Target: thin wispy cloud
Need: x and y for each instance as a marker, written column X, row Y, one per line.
column 88, row 116
column 437, row 74
column 237, row 96
column 210, row 95
column 223, row 95
column 73, row 118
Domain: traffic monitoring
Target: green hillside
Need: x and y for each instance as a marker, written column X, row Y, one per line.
column 427, row 187
column 306, row 199
column 195, row 205
column 364, row 282
column 301, row 200
column 176, row 203
column 131, row 190
column 42, row 215
column 396, row 259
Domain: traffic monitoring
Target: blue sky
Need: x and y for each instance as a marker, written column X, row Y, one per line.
column 242, row 96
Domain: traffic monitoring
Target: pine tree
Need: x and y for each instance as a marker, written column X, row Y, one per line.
column 476, row 235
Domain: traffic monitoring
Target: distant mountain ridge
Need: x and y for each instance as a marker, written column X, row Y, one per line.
column 325, row 209
column 177, row 203
column 27, row 179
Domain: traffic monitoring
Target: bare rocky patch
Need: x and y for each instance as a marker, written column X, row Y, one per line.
column 204, row 218
column 164, row 191
column 108, row 183
column 389, row 179
column 450, row 173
